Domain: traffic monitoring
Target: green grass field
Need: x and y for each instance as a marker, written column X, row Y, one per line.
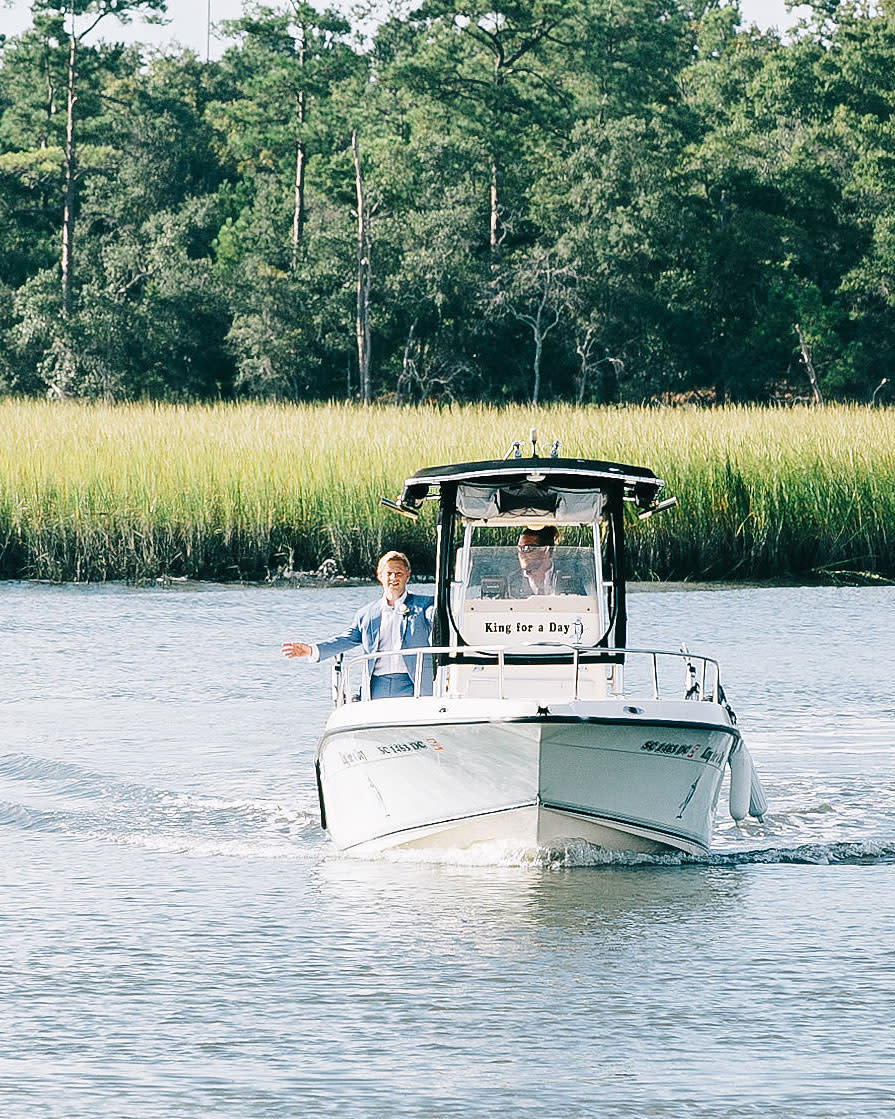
column 93, row 492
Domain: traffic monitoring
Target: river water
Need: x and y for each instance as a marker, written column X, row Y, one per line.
column 180, row 940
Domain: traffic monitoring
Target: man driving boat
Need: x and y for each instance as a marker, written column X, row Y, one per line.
column 537, row 573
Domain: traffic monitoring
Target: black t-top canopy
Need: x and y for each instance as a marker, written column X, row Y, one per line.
column 635, row 483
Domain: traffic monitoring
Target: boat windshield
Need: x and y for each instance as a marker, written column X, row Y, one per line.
column 502, row 571
column 511, row 595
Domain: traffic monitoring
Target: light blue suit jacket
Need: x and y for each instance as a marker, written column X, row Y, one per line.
column 363, row 633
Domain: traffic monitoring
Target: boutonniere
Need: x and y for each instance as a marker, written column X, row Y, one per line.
column 403, row 609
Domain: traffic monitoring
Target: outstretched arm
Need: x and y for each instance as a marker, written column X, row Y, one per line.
column 342, row 643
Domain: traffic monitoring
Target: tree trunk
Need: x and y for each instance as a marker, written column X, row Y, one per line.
column 816, row 398
column 539, row 329
column 493, row 210
column 298, row 206
column 536, row 381
column 410, row 374
column 362, row 322
column 583, row 347
column 70, row 172
column 298, row 211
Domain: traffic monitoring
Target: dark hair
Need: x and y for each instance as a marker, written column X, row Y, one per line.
column 546, row 536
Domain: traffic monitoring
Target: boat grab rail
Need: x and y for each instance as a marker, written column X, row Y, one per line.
column 701, row 680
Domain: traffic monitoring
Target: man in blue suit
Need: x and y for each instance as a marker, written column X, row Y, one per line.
column 396, row 622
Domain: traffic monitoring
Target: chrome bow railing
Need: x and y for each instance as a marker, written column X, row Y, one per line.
column 645, row 673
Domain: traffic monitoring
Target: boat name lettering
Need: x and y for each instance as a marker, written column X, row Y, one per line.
column 685, row 750
column 404, row 747
column 528, row 627
column 671, row 749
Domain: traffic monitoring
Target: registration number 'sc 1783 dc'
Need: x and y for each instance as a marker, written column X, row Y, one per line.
column 354, row 757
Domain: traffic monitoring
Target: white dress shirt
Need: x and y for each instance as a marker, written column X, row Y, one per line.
column 390, row 638
column 547, row 585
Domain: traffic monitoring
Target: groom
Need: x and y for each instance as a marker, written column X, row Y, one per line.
column 395, row 622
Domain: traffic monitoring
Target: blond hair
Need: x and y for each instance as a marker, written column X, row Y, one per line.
column 392, row 557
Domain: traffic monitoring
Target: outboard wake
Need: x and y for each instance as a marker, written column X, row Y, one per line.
column 57, row 797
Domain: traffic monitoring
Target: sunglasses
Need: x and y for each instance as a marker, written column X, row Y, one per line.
column 532, row 547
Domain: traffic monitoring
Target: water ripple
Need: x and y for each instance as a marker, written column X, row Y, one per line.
column 58, row 796
column 180, row 938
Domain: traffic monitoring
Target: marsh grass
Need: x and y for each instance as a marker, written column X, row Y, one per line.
column 246, row 491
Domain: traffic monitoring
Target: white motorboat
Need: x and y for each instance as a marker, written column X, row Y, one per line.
column 543, row 728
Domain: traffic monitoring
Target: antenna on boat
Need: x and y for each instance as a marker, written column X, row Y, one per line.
column 554, row 450
column 533, row 436
column 515, row 450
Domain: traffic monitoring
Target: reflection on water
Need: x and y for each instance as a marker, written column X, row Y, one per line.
column 593, row 904
column 181, row 940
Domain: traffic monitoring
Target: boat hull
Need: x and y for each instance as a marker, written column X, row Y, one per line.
column 429, row 775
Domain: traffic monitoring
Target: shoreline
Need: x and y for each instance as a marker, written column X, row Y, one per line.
column 310, row 581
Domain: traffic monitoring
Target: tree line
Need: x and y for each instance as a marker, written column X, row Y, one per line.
column 574, row 200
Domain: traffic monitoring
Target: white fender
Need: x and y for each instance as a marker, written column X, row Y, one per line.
column 740, row 781
column 758, row 802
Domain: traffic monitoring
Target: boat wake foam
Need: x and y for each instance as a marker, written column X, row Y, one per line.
column 580, row 855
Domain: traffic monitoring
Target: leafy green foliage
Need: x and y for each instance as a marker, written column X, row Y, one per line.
column 567, row 199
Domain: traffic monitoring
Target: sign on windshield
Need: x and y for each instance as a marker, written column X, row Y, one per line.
column 518, row 595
